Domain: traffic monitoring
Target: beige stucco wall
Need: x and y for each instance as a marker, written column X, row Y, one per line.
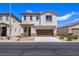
column 14, row 24
column 62, row 31
column 66, row 30
column 42, row 20
column 75, row 32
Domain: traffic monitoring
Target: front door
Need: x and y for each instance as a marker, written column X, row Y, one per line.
column 29, row 32
column 4, row 31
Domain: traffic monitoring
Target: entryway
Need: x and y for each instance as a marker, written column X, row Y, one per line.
column 27, row 31
column 3, row 31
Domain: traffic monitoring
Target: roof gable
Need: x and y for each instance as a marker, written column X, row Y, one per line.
column 8, row 14
column 37, row 13
column 72, row 24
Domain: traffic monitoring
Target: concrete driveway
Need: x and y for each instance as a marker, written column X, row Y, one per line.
column 35, row 39
column 47, row 39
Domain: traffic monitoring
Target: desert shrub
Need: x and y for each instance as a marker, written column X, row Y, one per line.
column 18, row 39
column 70, row 37
column 1, row 38
column 61, row 37
column 75, row 36
column 19, row 36
column 70, row 34
column 8, row 37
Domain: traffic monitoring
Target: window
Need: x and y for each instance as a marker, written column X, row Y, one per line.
column 30, row 17
column 24, row 17
column 6, row 17
column 0, row 17
column 37, row 17
column 48, row 18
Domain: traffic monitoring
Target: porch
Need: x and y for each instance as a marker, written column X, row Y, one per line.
column 4, row 29
column 27, row 29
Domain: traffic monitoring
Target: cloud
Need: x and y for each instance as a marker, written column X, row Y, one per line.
column 75, row 20
column 29, row 11
column 67, row 16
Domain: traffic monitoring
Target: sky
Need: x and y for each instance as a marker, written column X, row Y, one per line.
column 67, row 12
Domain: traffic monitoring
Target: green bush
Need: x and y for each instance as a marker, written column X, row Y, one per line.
column 70, row 37
column 61, row 37
column 70, row 34
column 75, row 36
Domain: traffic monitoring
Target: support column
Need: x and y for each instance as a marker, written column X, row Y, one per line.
column 55, row 32
column 33, row 32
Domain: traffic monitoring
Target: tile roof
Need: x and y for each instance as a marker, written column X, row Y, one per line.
column 36, row 13
column 71, row 24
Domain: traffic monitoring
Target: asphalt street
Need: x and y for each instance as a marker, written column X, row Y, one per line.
column 39, row 48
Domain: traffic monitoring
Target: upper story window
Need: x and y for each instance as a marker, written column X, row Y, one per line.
column 0, row 17
column 37, row 17
column 7, row 18
column 30, row 17
column 48, row 18
column 24, row 17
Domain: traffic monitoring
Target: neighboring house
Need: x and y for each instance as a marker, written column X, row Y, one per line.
column 9, row 25
column 39, row 24
column 71, row 28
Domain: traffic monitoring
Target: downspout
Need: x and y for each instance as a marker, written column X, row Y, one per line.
column 40, row 21
column 10, row 20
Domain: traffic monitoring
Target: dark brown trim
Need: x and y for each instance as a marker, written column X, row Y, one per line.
column 29, row 25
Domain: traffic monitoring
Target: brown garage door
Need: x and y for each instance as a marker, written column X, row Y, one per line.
column 47, row 32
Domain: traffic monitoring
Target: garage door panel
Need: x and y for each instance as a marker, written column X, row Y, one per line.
column 44, row 32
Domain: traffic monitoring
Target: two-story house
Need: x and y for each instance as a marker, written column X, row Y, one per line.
column 40, row 24
column 9, row 25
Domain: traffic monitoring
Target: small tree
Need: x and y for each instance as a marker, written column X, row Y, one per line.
column 27, row 29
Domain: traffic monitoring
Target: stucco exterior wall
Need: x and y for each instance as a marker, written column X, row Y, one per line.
column 75, row 26
column 42, row 20
column 48, row 23
column 15, row 26
column 62, row 31
column 66, row 30
column 75, row 32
